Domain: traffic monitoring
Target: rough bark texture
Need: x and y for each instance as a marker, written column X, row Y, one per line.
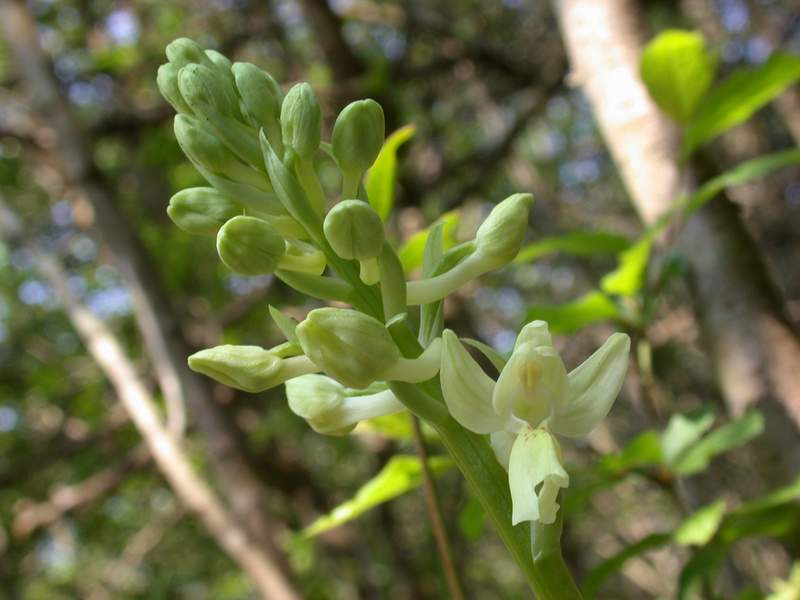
column 154, row 314
column 755, row 352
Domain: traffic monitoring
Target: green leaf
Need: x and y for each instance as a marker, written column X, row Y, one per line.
column 729, row 436
column 678, row 69
column 683, row 430
column 401, row 474
column 413, row 251
column 738, row 97
column 285, row 323
column 578, row 243
column 608, row 567
column 381, row 178
column 628, row 278
column 740, row 174
column 642, row 451
column 571, row 316
column 700, row 527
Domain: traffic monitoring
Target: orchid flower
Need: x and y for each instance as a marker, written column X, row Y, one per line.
column 533, row 398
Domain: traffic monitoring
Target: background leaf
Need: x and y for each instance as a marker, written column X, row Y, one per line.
column 738, row 97
column 729, row 436
column 577, row 243
column 678, row 69
column 381, row 178
column 413, row 251
column 571, row 316
column 401, row 474
column 683, row 430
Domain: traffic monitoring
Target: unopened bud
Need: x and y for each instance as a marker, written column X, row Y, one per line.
column 167, row 81
column 500, row 236
column 183, row 51
column 301, row 121
column 201, row 210
column 204, row 89
column 358, row 135
column 249, row 368
column 261, row 95
column 354, row 230
column 250, row 246
column 200, row 144
column 332, row 409
column 351, row 347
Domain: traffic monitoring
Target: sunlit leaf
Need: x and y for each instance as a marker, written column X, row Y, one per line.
column 628, row 278
column 738, row 97
column 678, row 68
column 731, row 435
column 401, row 474
column 572, row 316
column 413, row 251
column 381, row 178
column 578, row 243
column 642, row 451
column 683, row 430
column 700, row 527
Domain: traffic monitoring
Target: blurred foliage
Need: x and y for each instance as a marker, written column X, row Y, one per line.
column 474, row 93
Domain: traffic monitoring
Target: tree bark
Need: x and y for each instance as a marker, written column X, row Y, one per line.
column 154, row 314
column 755, row 353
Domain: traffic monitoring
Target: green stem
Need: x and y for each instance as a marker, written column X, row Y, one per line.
column 548, row 575
column 350, row 183
column 310, row 183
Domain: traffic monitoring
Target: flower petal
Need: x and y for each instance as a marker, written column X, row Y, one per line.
column 593, row 387
column 466, row 388
column 532, row 383
column 502, row 442
column 535, row 475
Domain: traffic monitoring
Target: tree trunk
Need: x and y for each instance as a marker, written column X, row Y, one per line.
column 755, row 353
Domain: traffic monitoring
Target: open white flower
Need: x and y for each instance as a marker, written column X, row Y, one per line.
column 533, row 399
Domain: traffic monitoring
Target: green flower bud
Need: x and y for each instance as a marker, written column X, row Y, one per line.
column 354, row 230
column 249, row 368
column 261, row 95
column 349, row 346
column 167, row 81
column 221, row 62
column 183, row 51
column 500, row 236
column 332, row 409
column 200, row 144
column 358, row 135
column 250, row 246
column 301, row 121
column 200, row 210
column 204, row 89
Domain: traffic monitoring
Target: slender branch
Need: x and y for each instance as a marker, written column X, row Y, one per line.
column 435, row 515
column 240, row 543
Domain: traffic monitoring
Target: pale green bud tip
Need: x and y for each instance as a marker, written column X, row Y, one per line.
column 220, row 61
column 184, row 51
column 201, row 211
column 167, row 80
column 250, row 246
column 500, row 236
column 351, row 347
column 354, row 230
column 248, row 368
column 203, row 88
column 301, row 120
column 201, row 145
column 358, row 135
column 536, row 333
column 261, row 95
column 317, row 399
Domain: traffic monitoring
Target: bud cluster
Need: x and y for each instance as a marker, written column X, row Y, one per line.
column 259, row 149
